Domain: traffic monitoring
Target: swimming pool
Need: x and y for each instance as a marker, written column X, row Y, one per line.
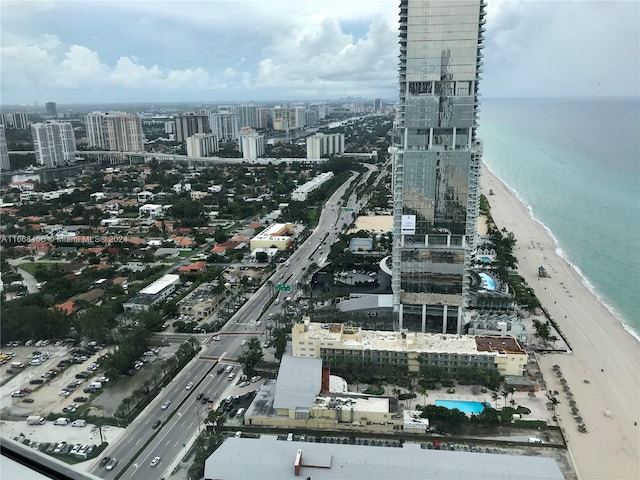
column 488, row 283
column 463, row 406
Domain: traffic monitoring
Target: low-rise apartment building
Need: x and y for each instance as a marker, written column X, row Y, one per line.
column 411, row 349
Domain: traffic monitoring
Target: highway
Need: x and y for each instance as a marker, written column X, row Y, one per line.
column 185, row 415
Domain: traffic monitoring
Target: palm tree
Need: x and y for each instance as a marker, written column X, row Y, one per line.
column 505, row 394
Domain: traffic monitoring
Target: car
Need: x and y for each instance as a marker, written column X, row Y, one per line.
column 112, row 463
column 156, row 424
column 243, row 343
column 220, row 371
column 154, row 462
column 188, row 386
column 104, row 461
column 80, row 399
column 26, row 390
column 243, row 384
column 36, row 381
column 18, row 394
column 256, row 378
column 200, row 395
column 166, row 404
column 27, row 400
column 70, row 408
column 79, row 423
column 217, row 338
column 204, row 400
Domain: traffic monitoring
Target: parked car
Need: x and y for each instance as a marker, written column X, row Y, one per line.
column 80, row 399
column 79, row 423
column 27, row 400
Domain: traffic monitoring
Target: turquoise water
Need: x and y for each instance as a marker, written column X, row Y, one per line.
column 465, row 407
column 488, row 283
column 576, row 164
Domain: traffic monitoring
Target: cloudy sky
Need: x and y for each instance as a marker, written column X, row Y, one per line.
column 239, row 50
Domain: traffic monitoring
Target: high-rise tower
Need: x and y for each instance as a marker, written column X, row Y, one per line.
column 436, row 162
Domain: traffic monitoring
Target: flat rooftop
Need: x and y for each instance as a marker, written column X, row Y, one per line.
column 358, row 404
column 268, row 457
column 390, row 341
column 160, row 284
column 492, row 343
column 201, row 294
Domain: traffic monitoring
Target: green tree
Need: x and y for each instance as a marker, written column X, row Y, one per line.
column 251, row 357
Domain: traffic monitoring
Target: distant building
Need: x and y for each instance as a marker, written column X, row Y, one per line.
column 201, row 302
column 188, row 124
column 264, row 118
column 4, row 152
column 51, row 109
column 202, row 144
column 278, row 235
column 117, row 131
column 323, row 145
column 54, row 143
column 153, row 294
column 150, row 210
column 251, row 144
column 377, row 104
column 288, row 118
column 300, row 194
column 248, row 116
column 336, row 342
column 18, row 121
column 224, row 124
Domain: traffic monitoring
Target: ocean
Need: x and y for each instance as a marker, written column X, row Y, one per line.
column 576, row 164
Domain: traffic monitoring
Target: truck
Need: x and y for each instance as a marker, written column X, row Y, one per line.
column 35, row 420
column 97, row 385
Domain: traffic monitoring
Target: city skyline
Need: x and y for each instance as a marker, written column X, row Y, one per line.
column 115, row 51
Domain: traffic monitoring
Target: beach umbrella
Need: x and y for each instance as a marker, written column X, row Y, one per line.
column 563, row 381
column 569, row 394
column 575, row 410
column 572, row 403
column 578, row 419
column 565, row 388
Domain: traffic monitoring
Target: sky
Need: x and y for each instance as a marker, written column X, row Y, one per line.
column 101, row 51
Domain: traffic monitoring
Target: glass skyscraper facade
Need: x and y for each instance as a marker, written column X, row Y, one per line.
column 436, row 162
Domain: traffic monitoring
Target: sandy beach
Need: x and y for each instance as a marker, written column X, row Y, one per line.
column 603, row 370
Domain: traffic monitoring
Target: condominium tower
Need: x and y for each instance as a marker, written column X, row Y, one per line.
column 54, row 143
column 117, row 131
column 4, row 151
column 436, row 162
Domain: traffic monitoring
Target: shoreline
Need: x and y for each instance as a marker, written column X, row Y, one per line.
column 601, row 373
column 561, row 253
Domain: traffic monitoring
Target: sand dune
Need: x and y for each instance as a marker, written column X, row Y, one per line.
column 603, row 370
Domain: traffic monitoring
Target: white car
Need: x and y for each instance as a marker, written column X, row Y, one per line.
column 189, row 385
column 166, row 404
column 155, row 461
column 217, row 338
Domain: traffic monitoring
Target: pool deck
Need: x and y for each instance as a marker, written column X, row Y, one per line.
column 536, row 404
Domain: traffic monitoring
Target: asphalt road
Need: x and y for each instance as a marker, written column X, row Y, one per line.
column 186, row 414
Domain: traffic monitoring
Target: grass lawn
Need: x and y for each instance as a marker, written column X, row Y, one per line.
column 185, row 253
column 30, row 267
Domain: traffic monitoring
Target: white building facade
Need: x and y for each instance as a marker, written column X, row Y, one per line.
column 322, row 145
column 4, row 151
column 251, row 144
column 54, row 143
column 118, row 131
column 202, row 145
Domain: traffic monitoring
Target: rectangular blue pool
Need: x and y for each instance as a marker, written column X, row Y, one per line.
column 463, row 406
